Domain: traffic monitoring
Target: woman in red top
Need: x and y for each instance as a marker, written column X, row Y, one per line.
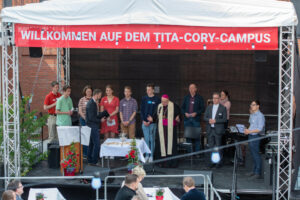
column 110, row 103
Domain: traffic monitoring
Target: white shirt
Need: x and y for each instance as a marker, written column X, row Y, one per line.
column 214, row 112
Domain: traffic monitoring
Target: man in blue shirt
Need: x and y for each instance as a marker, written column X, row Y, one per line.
column 191, row 192
column 256, row 128
column 148, row 108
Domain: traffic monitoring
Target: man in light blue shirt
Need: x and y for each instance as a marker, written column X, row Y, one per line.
column 256, row 128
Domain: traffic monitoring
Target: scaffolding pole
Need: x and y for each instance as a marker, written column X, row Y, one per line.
column 285, row 116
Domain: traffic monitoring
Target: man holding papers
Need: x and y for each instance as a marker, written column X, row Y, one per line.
column 93, row 119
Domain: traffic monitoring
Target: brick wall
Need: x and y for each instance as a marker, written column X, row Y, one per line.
column 36, row 74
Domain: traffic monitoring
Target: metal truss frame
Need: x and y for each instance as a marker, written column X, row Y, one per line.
column 285, row 116
column 10, row 101
column 63, row 62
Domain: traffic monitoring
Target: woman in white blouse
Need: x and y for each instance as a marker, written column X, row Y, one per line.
column 140, row 172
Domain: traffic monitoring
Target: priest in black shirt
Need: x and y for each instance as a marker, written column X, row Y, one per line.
column 128, row 190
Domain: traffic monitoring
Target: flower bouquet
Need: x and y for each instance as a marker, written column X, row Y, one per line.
column 160, row 194
column 40, row 196
column 132, row 156
column 69, row 164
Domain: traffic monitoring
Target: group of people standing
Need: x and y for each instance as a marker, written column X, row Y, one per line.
column 160, row 118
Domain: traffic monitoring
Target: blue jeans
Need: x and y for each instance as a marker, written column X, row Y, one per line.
column 254, row 149
column 84, row 147
column 149, row 135
column 94, row 147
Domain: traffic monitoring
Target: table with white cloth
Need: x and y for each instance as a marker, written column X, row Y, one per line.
column 50, row 193
column 168, row 194
column 115, row 147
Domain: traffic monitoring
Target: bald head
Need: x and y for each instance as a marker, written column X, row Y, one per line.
column 192, row 89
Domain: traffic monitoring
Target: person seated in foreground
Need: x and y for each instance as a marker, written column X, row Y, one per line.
column 9, row 195
column 191, row 192
column 140, row 172
column 129, row 189
column 17, row 187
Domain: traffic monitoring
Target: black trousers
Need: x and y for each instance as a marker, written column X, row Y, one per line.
column 215, row 140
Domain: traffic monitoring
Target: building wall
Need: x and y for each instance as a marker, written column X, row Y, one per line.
column 239, row 72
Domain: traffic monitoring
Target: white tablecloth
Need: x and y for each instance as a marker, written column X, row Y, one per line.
column 168, row 195
column 50, row 193
column 115, row 147
column 69, row 134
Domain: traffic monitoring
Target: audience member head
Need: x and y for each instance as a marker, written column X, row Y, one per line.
column 188, row 183
column 150, row 89
column 224, row 94
column 16, row 186
column 165, row 100
column 127, row 91
column 131, row 181
column 55, row 86
column 87, row 91
column 254, row 106
column 216, row 98
column 9, row 195
column 97, row 93
column 109, row 90
column 67, row 90
column 193, row 89
column 140, row 172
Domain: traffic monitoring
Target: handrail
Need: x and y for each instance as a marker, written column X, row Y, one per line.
column 47, row 177
column 245, row 115
column 213, row 191
column 205, row 182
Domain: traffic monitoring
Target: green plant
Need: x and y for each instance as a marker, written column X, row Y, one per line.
column 29, row 124
column 40, row 196
column 133, row 156
column 160, row 192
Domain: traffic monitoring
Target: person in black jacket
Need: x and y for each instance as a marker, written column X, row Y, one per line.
column 192, row 108
column 191, row 192
column 215, row 117
column 128, row 190
column 93, row 118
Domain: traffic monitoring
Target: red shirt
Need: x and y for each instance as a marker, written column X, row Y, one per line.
column 50, row 99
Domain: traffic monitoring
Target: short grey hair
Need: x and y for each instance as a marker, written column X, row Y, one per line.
column 188, row 181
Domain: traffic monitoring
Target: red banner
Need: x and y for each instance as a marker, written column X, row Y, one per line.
column 147, row 37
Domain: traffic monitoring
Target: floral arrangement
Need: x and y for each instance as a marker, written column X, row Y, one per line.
column 70, row 162
column 40, row 196
column 160, row 192
column 133, row 156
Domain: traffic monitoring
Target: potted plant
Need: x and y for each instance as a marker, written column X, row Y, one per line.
column 132, row 156
column 160, row 194
column 40, row 196
column 69, row 164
